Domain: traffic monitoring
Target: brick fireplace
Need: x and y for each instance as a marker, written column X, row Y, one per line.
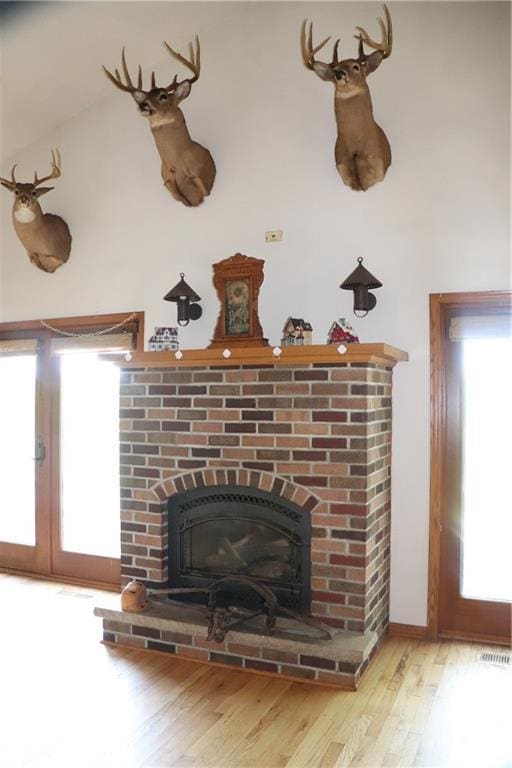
column 313, row 435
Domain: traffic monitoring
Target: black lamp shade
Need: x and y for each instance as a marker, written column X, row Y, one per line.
column 360, row 276
column 182, row 290
column 184, row 298
column 360, row 281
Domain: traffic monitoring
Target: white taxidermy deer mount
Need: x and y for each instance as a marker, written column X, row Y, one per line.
column 362, row 150
column 45, row 236
column 188, row 169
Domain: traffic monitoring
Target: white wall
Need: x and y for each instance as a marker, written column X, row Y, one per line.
column 439, row 221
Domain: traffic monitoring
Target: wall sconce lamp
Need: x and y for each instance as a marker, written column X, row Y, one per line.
column 359, row 281
column 185, row 297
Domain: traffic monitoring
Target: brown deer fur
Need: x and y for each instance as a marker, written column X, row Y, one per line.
column 362, row 151
column 188, row 169
column 45, row 236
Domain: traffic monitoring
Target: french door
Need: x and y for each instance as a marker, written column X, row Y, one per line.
column 470, row 595
column 59, row 446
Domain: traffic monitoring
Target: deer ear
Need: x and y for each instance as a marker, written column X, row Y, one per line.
column 139, row 96
column 372, row 61
column 324, row 71
column 183, row 90
column 42, row 191
column 7, row 185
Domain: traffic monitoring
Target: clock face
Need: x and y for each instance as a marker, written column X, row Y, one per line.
column 237, row 307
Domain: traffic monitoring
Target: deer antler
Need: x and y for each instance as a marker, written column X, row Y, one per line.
column 12, row 183
column 55, row 164
column 309, row 51
column 306, row 44
column 129, row 87
column 386, row 43
column 193, row 63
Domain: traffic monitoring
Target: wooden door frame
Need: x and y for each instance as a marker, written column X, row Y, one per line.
column 43, row 565
column 85, row 324
column 441, row 304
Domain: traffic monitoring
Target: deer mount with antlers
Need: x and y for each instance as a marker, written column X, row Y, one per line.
column 45, row 236
column 188, row 169
column 362, row 151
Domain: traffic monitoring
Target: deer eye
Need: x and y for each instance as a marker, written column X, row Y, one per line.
column 16, row 191
column 163, row 97
column 356, row 67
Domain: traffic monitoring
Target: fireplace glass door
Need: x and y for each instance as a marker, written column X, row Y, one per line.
column 224, row 546
column 237, row 531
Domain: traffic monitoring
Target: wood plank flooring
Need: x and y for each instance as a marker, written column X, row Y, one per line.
column 67, row 700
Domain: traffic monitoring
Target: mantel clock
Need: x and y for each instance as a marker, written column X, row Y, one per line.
column 237, row 281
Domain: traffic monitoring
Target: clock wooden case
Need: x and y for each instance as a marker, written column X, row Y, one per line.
column 237, row 281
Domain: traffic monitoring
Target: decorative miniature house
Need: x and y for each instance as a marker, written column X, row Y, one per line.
column 296, row 331
column 341, row 332
column 164, row 340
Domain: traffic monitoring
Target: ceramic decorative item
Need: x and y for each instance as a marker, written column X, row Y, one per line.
column 134, row 597
column 341, row 332
column 296, row 331
column 164, row 339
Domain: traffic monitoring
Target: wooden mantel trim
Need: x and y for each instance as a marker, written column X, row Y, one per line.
column 382, row 354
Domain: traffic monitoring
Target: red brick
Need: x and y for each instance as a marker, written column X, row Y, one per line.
column 282, row 656
column 348, row 509
column 262, row 666
column 241, row 649
column 348, row 560
column 328, row 597
column 292, row 671
column 330, row 416
column 318, row 662
column 192, row 653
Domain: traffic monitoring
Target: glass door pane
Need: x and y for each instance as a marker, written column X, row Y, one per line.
column 17, row 448
column 90, row 508
column 487, row 509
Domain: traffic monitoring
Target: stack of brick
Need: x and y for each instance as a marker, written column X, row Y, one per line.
column 317, row 434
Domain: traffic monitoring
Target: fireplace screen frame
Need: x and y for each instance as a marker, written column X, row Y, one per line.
column 200, row 505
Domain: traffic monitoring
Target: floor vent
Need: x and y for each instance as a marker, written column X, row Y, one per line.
column 495, row 658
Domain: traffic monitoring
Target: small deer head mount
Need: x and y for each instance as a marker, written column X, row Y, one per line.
column 188, row 169
column 362, row 150
column 45, row 236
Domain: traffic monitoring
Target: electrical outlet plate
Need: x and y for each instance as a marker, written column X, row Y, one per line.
column 273, row 235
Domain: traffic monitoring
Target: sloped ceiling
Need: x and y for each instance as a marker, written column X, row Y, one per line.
column 51, row 57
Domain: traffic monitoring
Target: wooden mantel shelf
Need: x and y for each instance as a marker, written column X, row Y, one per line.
column 383, row 354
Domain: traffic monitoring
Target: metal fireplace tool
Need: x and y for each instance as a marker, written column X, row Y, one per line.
column 221, row 619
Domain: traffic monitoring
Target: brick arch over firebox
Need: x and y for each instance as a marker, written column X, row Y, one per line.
column 264, row 481
column 144, row 529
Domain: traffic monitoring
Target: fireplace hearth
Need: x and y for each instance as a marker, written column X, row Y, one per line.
column 222, row 531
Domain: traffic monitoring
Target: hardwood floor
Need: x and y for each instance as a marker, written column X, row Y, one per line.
column 67, row 700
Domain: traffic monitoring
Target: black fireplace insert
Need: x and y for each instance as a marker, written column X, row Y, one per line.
column 219, row 531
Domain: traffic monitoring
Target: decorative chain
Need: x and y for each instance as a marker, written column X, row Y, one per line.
column 93, row 333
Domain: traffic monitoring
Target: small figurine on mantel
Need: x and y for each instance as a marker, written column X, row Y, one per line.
column 296, row 331
column 341, row 332
column 164, row 339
